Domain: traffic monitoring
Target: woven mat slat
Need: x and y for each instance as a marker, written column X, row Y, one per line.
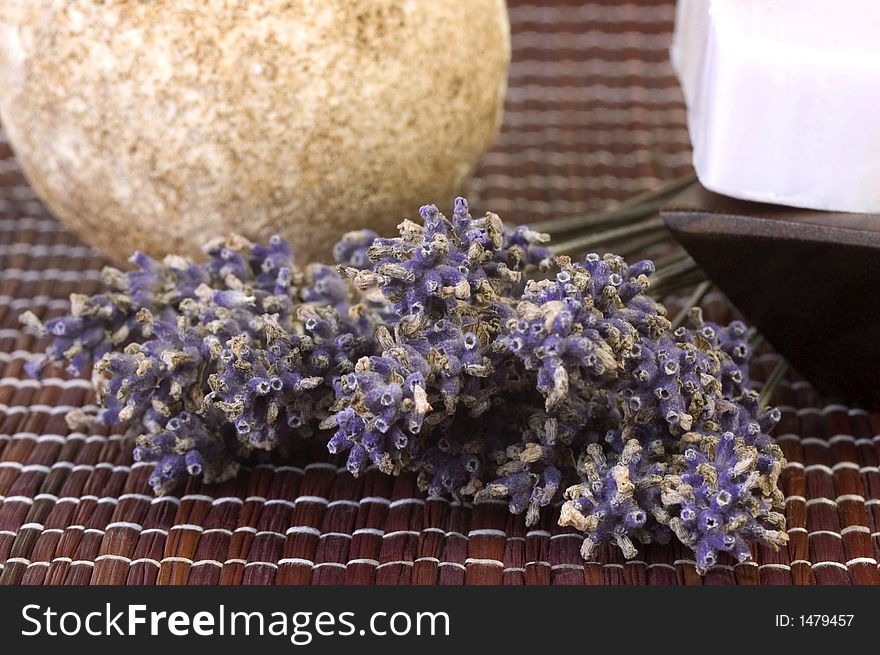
column 594, row 115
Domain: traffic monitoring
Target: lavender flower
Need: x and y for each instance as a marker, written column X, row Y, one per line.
column 383, row 403
column 432, row 351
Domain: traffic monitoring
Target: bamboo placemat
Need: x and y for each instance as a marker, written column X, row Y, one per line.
column 594, row 115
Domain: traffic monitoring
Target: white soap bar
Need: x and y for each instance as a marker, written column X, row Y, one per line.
column 783, row 99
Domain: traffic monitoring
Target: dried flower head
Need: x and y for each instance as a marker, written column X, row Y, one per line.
column 432, row 351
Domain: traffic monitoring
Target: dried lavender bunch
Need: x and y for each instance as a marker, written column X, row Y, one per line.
column 433, row 352
column 631, row 401
column 208, row 363
column 451, row 285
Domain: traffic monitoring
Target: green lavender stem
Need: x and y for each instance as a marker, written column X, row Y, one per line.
column 773, row 380
column 693, row 300
column 654, row 226
column 641, row 206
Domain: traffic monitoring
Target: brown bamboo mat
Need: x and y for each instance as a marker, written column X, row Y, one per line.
column 593, row 116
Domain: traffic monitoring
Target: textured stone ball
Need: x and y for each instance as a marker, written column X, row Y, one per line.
column 154, row 126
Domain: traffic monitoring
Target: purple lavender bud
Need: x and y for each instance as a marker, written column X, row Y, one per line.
column 351, row 250
column 193, row 461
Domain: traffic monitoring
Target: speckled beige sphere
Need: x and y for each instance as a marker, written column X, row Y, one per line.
column 156, row 125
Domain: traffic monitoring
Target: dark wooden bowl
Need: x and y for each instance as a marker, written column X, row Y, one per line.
column 808, row 280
